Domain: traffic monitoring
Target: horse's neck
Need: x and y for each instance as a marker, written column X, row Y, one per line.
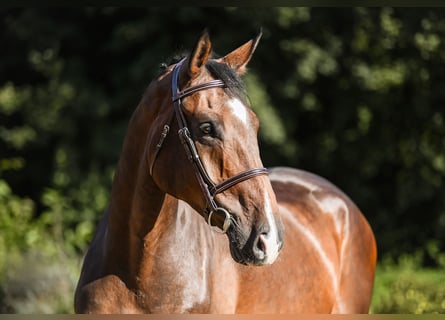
column 135, row 200
column 153, row 239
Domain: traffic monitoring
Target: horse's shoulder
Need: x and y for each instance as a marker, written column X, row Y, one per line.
column 116, row 297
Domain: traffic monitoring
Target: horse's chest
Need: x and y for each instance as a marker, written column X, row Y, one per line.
column 176, row 278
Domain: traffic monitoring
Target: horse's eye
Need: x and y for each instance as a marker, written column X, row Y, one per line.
column 206, row 128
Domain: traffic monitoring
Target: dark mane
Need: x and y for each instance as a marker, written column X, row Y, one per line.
column 234, row 84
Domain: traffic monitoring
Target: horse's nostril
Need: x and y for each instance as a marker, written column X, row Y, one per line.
column 259, row 248
column 261, row 243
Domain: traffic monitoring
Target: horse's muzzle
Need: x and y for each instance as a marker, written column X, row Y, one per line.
column 261, row 248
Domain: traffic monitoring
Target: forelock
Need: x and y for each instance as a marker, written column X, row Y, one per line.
column 235, row 86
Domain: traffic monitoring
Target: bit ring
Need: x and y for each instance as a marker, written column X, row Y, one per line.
column 227, row 222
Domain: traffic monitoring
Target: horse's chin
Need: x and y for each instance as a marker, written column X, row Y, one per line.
column 237, row 255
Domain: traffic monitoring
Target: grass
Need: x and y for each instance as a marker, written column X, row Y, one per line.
column 406, row 288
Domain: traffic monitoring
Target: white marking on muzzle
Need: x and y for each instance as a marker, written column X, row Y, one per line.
column 270, row 241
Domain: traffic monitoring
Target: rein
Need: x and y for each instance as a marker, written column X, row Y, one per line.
column 208, row 187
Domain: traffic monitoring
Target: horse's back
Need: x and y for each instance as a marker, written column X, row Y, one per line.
column 329, row 251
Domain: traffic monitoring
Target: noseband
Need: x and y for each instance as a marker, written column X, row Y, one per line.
column 208, row 187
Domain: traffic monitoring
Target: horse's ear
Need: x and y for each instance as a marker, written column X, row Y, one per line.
column 200, row 54
column 238, row 58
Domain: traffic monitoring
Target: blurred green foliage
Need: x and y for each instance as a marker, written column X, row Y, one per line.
column 37, row 274
column 405, row 287
column 353, row 94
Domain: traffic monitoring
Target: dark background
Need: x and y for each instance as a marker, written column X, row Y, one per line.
column 353, row 94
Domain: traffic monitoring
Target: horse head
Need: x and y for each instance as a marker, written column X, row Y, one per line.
column 205, row 157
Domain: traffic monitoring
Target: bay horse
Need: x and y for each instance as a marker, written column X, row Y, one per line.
column 195, row 224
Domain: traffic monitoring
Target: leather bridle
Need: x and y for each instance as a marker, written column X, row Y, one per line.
column 208, row 187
